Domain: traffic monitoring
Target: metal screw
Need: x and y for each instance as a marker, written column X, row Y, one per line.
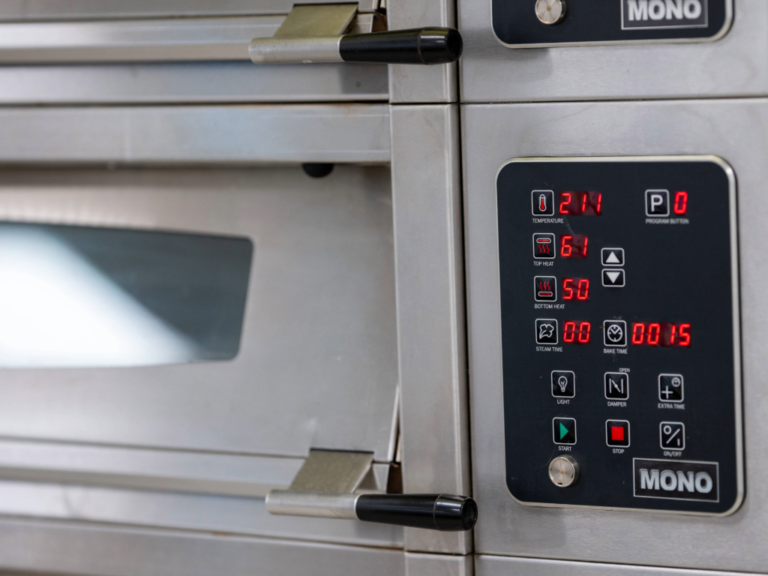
column 550, row 11
column 563, row 471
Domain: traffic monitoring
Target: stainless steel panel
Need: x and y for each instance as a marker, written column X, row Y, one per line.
column 194, row 39
column 100, row 551
column 192, row 82
column 200, row 135
column 438, row 565
column 194, row 472
column 498, row 566
column 186, row 39
column 412, row 84
column 318, row 360
column 735, row 65
column 103, row 9
column 186, row 511
column 731, row 129
column 430, row 309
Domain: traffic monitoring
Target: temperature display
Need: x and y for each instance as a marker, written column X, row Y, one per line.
column 573, row 246
column 580, row 203
column 576, row 332
column 575, row 289
column 661, row 334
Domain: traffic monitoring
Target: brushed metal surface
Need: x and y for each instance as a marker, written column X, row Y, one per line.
column 26, row 10
column 312, row 504
column 192, row 82
column 332, row 471
column 201, row 513
column 438, row 565
column 310, row 50
column 731, row 129
column 193, row 472
column 318, row 359
column 735, row 65
column 200, row 135
column 193, row 39
column 422, row 84
column 430, row 309
column 498, row 566
column 102, row 551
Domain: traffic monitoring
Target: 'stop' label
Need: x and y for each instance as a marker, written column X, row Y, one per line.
column 640, row 14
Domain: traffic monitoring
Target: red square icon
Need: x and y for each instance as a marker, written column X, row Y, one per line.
column 617, row 433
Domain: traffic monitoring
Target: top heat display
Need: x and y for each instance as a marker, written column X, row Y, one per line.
column 555, row 23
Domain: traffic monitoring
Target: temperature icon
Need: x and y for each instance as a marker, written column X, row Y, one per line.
column 543, row 202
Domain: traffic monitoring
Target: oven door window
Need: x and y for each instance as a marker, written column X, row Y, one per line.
column 75, row 296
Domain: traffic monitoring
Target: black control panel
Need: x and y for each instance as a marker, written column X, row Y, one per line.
column 620, row 333
column 526, row 23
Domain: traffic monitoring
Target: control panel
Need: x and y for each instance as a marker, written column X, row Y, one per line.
column 535, row 23
column 620, row 333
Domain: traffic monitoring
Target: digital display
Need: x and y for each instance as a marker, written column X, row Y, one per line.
column 661, row 334
column 576, row 332
column 576, row 289
column 580, row 203
column 681, row 203
column 573, row 246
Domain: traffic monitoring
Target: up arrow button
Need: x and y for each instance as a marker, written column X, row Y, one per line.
column 612, row 256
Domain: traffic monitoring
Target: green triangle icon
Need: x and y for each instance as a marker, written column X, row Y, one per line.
column 563, row 431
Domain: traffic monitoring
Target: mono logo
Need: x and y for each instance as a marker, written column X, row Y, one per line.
column 663, row 14
column 676, row 479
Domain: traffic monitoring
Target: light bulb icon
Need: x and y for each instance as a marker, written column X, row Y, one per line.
column 563, row 383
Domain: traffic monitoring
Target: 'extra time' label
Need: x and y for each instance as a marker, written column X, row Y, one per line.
column 676, row 480
column 640, row 14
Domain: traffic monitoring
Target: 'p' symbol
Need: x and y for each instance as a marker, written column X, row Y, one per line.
column 657, row 203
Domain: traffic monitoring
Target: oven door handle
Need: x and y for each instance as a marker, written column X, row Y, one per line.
column 417, row 46
column 442, row 512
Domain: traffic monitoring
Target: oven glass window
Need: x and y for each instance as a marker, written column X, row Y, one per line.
column 75, row 296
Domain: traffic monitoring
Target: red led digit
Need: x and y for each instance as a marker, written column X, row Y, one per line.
column 570, row 332
column 638, row 333
column 681, row 202
column 584, row 203
column 654, row 333
column 574, row 246
column 566, row 249
column 566, row 199
column 584, row 329
column 598, row 206
column 567, row 289
column 672, row 335
column 685, row 335
column 582, row 292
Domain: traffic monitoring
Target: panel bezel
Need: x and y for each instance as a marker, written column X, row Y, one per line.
column 736, row 307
